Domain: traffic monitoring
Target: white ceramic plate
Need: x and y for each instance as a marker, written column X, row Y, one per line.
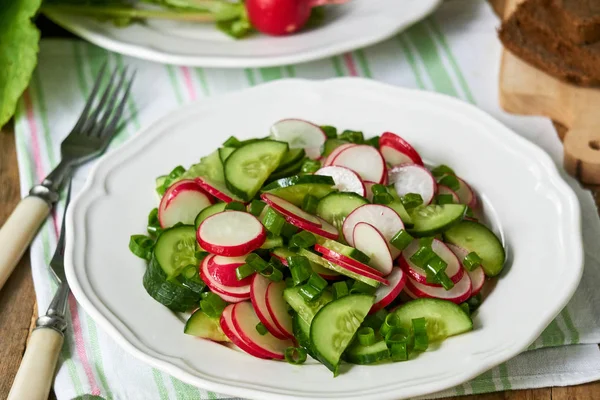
column 357, row 24
column 532, row 208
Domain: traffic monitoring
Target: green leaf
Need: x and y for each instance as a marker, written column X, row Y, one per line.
column 19, row 44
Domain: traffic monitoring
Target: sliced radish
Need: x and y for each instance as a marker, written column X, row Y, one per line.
column 226, row 322
column 326, row 229
column 466, row 194
column 363, row 159
column 412, row 178
column 222, row 270
column 383, row 218
column 454, row 268
column 345, row 179
column 458, row 294
column 384, row 295
column 292, row 213
column 368, row 191
column 181, row 203
column 408, row 292
column 232, row 293
column 217, row 189
column 477, row 275
column 348, row 260
column 329, row 160
column 314, row 153
column 231, row 233
column 278, row 308
column 371, row 242
column 443, row 189
column 245, row 321
column 258, row 296
column 351, row 264
column 324, row 272
column 397, row 151
column 299, row 134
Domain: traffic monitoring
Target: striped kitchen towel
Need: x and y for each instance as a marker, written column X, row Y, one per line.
column 455, row 52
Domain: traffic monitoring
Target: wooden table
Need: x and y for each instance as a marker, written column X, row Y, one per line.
column 17, row 298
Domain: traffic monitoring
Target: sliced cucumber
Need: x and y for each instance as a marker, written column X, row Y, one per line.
column 301, row 330
column 397, row 206
column 334, row 267
column 208, row 211
column 433, row 219
column 209, row 167
column 175, row 249
column 344, row 250
column 331, row 145
column 444, row 318
column 201, row 325
column 272, row 241
column 361, row 354
column 334, row 326
column 167, row 291
column 335, row 207
column 282, row 252
column 476, row 237
column 295, row 188
column 225, row 152
column 290, row 170
column 249, row 166
column 291, row 157
column 305, row 310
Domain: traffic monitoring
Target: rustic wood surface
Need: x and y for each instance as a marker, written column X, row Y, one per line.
column 17, row 299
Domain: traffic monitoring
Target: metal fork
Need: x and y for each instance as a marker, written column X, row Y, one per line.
column 89, row 138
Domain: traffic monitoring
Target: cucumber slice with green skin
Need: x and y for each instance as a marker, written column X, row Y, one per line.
column 291, row 157
column 282, row 254
column 404, row 215
column 305, row 310
column 208, row 211
column 299, row 180
column 364, row 355
column 335, row 207
column 225, row 152
column 302, row 334
column 473, row 236
column 434, row 218
column 168, row 291
column 295, row 188
column 290, row 170
column 209, row 167
column 344, row 250
column 175, row 249
column 201, row 325
column 332, row 144
column 272, row 241
column 444, row 318
column 334, row 326
column 249, row 166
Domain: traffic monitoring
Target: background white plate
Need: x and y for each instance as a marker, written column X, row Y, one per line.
column 526, row 200
column 350, row 26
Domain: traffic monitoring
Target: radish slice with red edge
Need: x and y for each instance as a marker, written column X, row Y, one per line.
column 350, row 264
column 397, row 151
column 278, row 308
column 232, row 293
column 443, row 189
column 345, row 179
column 368, row 191
column 383, row 218
column 231, row 233
column 292, row 213
column 222, row 270
column 384, row 295
column 371, row 242
column 298, row 134
column 322, row 271
column 458, row 294
column 326, row 229
column 454, row 268
column 412, row 178
column 466, row 194
column 226, row 322
column 217, row 189
column 363, row 159
column 348, row 260
column 245, row 321
column 477, row 275
column 258, row 297
column 181, row 203
column 335, row 152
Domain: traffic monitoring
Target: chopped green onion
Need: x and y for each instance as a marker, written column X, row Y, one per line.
column 310, row 203
column 445, row 280
column 442, row 170
column 378, row 189
column 360, row 256
column 436, row 265
column 213, row 305
column 419, row 326
column 451, row 181
column 141, row 246
column 272, row 273
column 276, row 263
column 391, row 322
column 399, row 352
column 317, row 281
column 366, row 336
column 397, row 335
column 421, row 342
column 256, row 262
column 472, row 261
column 295, row 355
column 352, row 136
column 340, row 289
column 375, row 320
column 176, row 172
column 289, row 282
column 421, row 256
column 330, row 131
column 474, row 302
column 273, row 221
column 383, row 198
column 303, row 240
column 256, row 207
column 465, row 307
column 359, row 287
column 374, row 141
column 401, row 240
column 310, row 166
column 154, row 228
column 300, row 268
column 426, row 241
column 310, row 293
column 442, row 199
column 232, row 142
column 288, row 230
column 236, row 206
column 260, row 328
column 411, row 200
column 243, row 271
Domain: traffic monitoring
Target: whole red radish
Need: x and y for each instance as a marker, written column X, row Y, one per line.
column 278, row 17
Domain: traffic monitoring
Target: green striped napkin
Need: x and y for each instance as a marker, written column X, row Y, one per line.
column 455, row 52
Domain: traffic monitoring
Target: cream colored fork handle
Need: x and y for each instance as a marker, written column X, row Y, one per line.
column 18, row 231
column 36, row 372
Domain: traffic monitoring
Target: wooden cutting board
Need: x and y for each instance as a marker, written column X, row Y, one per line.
column 527, row 90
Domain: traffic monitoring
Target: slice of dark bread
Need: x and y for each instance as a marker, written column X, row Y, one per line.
column 578, row 20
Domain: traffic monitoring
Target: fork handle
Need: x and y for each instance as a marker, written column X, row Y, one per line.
column 18, row 231
column 36, row 372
